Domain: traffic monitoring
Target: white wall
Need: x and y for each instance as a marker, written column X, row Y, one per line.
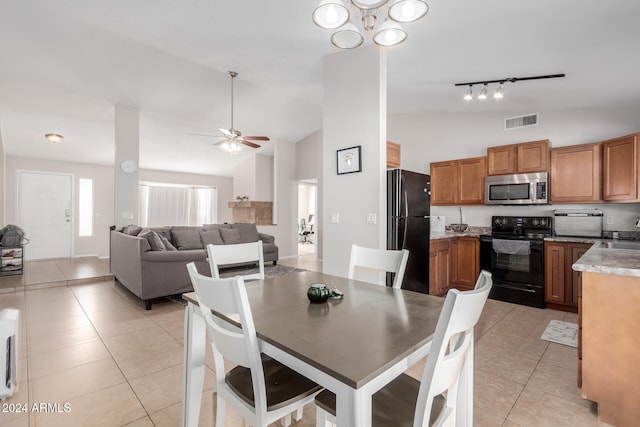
column 223, row 184
column 435, row 137
column 103, row 186
column 2, row 169
column 244, row 179
column 354, row 113
column 264, row 178
column 309, row 167
column 127, row 143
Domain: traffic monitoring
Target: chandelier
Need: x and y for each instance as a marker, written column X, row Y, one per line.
column 334, row 15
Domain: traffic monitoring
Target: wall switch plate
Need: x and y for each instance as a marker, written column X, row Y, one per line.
column 334, row 218
column 371, row 218
column 609, row 220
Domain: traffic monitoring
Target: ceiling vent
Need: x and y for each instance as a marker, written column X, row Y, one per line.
column 521, row 121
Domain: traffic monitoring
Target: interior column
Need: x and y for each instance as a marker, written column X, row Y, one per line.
column 127, row 138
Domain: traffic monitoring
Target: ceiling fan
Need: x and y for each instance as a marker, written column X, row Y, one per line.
column 232, row 139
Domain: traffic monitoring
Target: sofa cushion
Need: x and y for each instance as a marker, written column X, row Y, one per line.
column 153, row 238
column 186, row 238
column 248, row 232
column 215, row 226
column 132, row 230
column 162, row 232
column 231, row 236
column 167, row 244
column 268, row 247
column 211, row 237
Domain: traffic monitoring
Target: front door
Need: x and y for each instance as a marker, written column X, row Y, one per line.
column 44, row 213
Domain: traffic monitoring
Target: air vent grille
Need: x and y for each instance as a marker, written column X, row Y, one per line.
column 521, row 121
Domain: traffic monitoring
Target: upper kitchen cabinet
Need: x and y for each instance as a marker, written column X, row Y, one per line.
column 576, row 174
column 458, row 182
column 620, row 169
column 393, row 155
column 519, row 158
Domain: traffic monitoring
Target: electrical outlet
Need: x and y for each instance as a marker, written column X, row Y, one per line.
column 609, row 220
column 371, row 218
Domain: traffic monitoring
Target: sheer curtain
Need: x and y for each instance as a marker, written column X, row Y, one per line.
column 161, row 205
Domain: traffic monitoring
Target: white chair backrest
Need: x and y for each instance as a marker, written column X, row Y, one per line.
column 220, row 255
column 237, row 345
column 451, row 342
column 379, row 259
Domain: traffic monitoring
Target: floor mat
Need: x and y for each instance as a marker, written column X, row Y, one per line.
column 560, row 332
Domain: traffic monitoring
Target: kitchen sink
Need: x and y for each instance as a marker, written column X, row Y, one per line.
column 617, row 244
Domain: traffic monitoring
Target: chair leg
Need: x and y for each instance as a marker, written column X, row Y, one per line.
column 286, row 420
column 298, row 415
column 322, row 418
column 221, row 407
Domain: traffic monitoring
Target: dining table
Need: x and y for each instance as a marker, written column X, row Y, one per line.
column 352, row 346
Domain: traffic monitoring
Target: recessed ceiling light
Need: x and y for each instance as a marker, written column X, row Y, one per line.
column 53, row 137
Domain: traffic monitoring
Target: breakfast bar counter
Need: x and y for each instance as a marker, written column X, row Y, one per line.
column 608, row 338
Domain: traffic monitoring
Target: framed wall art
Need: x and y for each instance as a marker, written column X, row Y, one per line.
column 349, row 160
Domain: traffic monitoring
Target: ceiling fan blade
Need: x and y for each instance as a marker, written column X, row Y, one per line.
column 250, row 144
column 257, row 138
column 226, row 132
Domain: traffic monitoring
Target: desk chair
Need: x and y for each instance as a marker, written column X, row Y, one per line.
column 407, row 402
column 279, row 390
column 304, row 233
column 236, row 254
column 379, row 259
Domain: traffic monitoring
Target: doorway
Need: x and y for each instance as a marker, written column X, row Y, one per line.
column 45, row 213
column 307, row 214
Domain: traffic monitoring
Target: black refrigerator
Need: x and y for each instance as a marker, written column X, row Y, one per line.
column 408, row 224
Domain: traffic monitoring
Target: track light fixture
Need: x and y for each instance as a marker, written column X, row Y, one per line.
column 500, row 90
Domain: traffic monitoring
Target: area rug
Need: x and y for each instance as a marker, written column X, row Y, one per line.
column 560, row 332
column 269, row 271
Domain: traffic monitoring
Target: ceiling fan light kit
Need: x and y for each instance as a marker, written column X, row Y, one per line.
column 499, row 93
column 334, row 15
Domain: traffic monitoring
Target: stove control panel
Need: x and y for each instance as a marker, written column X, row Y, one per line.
column 540, row 224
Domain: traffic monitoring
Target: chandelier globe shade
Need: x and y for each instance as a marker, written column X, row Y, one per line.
column 330, row 14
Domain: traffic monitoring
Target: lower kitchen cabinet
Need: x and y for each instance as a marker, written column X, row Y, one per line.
column 561, row 283
column 440, row 266
column 467, row 262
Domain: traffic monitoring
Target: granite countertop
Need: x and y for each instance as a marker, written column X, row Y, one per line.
column 471, row 232
column 621, row 262
column 571, row 239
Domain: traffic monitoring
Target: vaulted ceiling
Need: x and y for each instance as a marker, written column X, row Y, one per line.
column 64, row 65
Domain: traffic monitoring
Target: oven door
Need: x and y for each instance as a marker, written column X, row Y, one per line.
column 517, row 268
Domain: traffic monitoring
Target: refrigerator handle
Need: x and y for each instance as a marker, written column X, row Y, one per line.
column 404, row 196
column 404, row 234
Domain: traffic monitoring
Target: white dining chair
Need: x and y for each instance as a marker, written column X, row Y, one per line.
column 405, row 401
column 390, row 261
column 260, row 389
column 241, row 253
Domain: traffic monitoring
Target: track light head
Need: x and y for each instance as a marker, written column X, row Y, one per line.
column 483, row 92
column 469, row 95
column 499, row 92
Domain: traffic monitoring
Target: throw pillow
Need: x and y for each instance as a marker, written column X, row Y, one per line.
column 248, row 232
column 186, row 238
column 154, row 240
column 230, row 236
column 211, row 237
column 162, row 232
column 132, row 230
column 167, row 244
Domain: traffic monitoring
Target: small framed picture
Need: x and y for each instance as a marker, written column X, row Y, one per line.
column 349, row 160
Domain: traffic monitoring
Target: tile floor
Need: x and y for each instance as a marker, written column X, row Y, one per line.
column 93, row 347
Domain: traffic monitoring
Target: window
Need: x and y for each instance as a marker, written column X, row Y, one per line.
column 85, row 207
column 166, row 204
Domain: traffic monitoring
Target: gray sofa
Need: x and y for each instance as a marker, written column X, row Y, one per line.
column 151, row 262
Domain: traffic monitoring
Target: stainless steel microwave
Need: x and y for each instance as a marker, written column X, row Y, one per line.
column 518, row 189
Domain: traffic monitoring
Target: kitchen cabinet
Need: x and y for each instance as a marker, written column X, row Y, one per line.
column 561, row 283
column 576, row 174
column 393, row 155
column 526, row 157
column 467, row 262
column 11, row 260
column 440, row 266
column 609, row 366
column 620, row 169
column 458, row 182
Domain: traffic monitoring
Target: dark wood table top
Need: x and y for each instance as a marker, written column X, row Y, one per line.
column 353, row 339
